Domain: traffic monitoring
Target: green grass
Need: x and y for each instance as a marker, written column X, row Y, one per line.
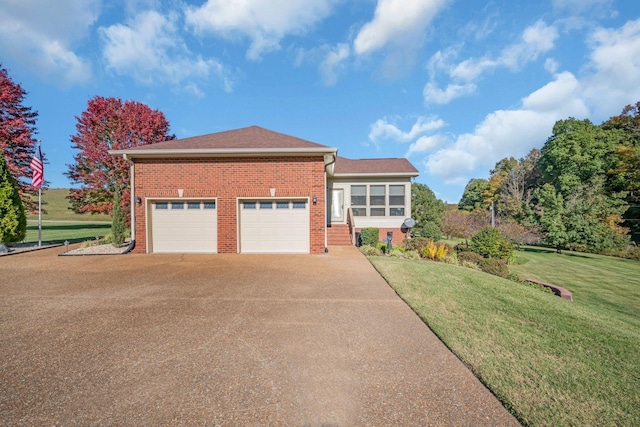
column 550, row 361
column 58, row 232
column 605, row 284
column 57, row 207
column 60, row 223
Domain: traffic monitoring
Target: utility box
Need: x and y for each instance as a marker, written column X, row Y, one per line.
column 389, row 239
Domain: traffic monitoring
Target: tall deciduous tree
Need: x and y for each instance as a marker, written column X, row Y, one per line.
column 473, row 196
column 427, row 210
column 17, row 130
column 109, row 124
column 628, row 167
column 13, row 222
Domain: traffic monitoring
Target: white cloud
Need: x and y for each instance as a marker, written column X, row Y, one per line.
column 435, row 95
column 615, row 65
column 426, row 143
column 396, row 21
column 149, row 49
column 382, row 129
column 535, row 40
column 42, row 35
column 509, row 132
column 264, row 23
column 333, row 63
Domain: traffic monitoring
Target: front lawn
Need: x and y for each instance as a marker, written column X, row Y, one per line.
column 58, row 231
column 550, row 361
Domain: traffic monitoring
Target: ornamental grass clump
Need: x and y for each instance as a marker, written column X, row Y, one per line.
column 435, row 251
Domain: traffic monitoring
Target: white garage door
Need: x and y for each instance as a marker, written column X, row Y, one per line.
column 184, row 226
column 274, row 226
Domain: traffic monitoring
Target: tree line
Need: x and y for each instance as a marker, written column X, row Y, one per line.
column 580, row 191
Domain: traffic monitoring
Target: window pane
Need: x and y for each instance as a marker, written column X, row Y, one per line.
column 210, row 205
column 249, row 205
column 358, row 195
column 359, row 211
column 162, row 205
column 396, row 195
column 177, row 205
column 396, row 211
column 299, row 205
column 193, row 205
column 282, row 205
column 377, row 197
column 266, row 205
column 377, row 211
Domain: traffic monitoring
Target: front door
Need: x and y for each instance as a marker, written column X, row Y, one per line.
column 337, row 205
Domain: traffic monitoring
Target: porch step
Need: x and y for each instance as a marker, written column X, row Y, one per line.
column 338, row 235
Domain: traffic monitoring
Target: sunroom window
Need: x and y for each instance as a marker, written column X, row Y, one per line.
column 396, row 200
column 359, row 200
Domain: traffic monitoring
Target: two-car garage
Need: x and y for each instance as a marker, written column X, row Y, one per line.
column 264, row 226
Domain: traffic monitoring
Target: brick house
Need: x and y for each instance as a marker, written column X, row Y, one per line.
column 253, row 190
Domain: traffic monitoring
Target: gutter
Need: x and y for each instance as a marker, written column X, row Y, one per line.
column 329, row 167
column 221, row 152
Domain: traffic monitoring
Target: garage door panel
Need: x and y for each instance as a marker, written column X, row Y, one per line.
column 187, row 230
column 280, row 228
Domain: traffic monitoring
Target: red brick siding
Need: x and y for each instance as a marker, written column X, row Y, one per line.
column 227, row 179
column 398, row 235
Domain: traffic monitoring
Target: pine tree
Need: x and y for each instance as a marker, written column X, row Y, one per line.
column 13, row 222
column 118, row 227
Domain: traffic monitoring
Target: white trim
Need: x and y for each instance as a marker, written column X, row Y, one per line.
column 222, row 152
column 376, row 175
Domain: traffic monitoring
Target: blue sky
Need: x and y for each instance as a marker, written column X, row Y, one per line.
column 453, row 85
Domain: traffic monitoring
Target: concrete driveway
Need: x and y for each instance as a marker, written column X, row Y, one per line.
column 222, row 340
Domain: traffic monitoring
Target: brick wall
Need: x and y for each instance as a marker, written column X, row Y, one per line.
column 227, row 179
column 398, row 235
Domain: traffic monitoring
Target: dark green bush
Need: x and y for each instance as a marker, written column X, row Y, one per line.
column 118, row 228
column 489, row 243
column 469, row 257
column 462, row 247
column 369, row 236
column 430, row 230
column 494, row 266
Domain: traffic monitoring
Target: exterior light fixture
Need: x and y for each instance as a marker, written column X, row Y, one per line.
column 138, row 201
column 315, row 200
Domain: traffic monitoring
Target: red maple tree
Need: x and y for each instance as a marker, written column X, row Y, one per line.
column 109, row 124
column 17, row 130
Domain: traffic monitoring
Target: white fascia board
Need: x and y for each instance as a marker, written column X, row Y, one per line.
column 376, row 175
column 221, row 152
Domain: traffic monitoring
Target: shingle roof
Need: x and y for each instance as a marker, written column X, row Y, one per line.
column 389, row 166
column 252, row 137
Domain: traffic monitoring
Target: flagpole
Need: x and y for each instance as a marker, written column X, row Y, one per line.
column 39, row 217
column 39, row 207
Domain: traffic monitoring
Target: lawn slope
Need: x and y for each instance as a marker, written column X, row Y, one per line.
column 60, row 223
column 551, row 362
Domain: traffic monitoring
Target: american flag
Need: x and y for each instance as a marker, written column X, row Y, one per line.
column 38, row 169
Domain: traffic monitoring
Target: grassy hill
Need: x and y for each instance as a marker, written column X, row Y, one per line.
column 60, row 223
column 54, row 201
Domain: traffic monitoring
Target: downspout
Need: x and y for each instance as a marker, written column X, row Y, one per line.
column 326, row 202
column 132, row 203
